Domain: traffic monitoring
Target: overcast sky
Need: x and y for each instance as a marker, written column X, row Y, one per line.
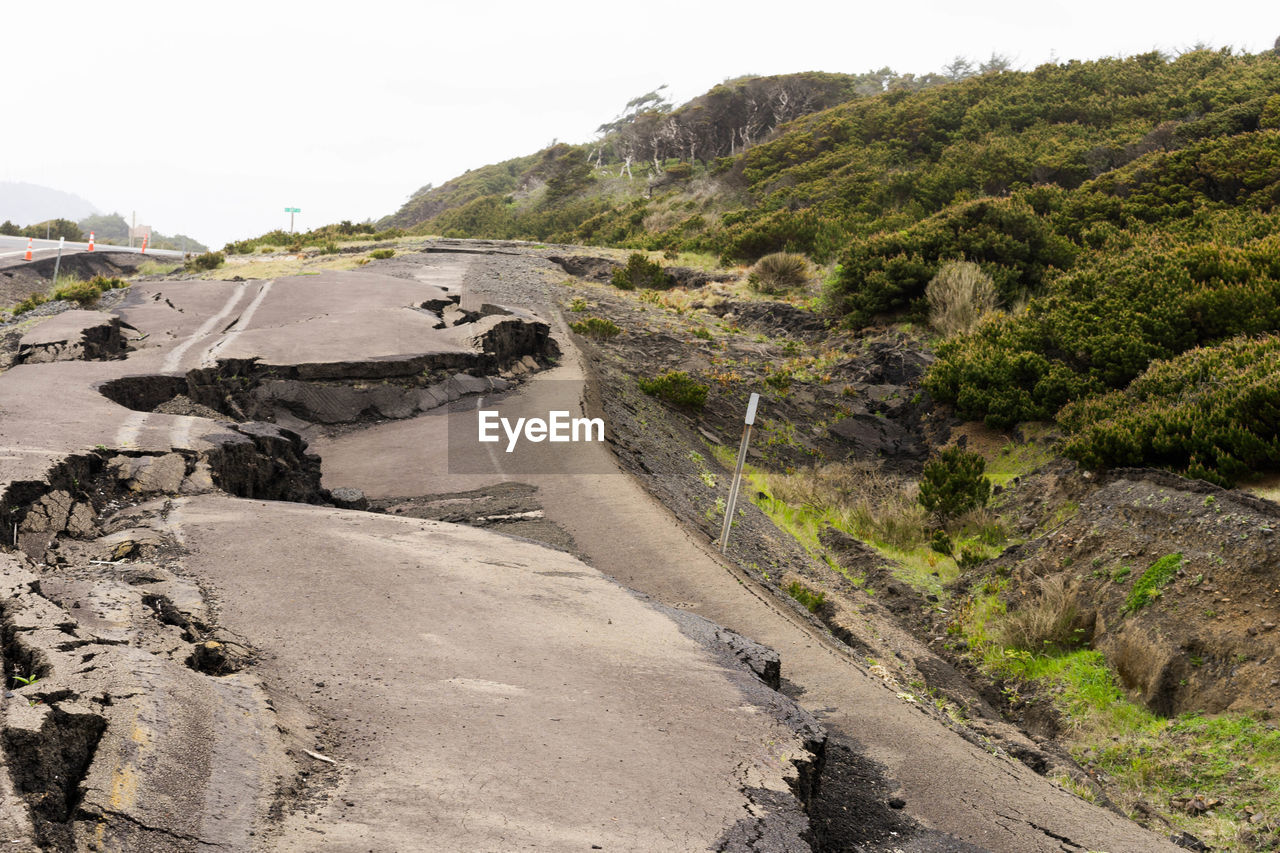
column 210, row 118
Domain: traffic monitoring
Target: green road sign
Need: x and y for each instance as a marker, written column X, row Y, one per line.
column 293, row 210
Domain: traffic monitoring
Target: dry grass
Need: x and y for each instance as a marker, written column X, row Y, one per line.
column 1049, row 622
column 866, row 502
column 959, row 297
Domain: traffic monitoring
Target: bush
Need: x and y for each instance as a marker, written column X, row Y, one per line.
column 1014, row 245
column 676, row 387
column 780, row 272
column 641, row 273
column 382, row 254
column 1099, row 327
column 953, row 483
column 1212, row 413
column 35, row 300
column 82, row 292
column 959, row 296
column 1050, row 622
column 599, row 328
column 207, row 261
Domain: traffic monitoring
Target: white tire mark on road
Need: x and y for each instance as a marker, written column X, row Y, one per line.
column 241, row 325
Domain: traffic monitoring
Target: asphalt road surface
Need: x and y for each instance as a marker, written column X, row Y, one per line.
column 416, row 686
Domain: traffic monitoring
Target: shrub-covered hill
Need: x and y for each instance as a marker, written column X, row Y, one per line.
column 1124, row 210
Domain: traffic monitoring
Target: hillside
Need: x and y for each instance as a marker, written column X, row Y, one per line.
column 1121, row 208
column 23, row 202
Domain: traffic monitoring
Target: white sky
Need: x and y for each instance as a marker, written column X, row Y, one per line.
column 210, row 118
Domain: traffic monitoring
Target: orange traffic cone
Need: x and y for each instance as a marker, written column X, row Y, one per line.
column 90, row 241
column 28, row 255
column 144, row 243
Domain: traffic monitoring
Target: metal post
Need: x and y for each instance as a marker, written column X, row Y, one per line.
column 737, row 472
column 57, row 265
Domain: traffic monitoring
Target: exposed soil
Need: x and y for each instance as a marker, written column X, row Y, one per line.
column 1208, row 640
column 19, row 281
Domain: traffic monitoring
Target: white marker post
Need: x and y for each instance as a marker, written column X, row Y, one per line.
column 737, row 471
column 57, row 265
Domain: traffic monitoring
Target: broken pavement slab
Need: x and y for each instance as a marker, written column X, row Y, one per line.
column 74, row 335
column 521, row 698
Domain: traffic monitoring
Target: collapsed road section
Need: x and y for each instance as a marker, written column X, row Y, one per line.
column 201, row 650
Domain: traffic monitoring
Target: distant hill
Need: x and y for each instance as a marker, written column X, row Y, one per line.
column 21, row 202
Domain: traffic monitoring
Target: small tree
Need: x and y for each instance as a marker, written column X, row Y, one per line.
column 954, row 482
column 959, row 296
column 642, row 273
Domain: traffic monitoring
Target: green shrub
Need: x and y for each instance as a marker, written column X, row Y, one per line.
column 35, row 300
column 940, row 542
column 599, row 328
column 578, row 305
column 702, row 333
column 641, row 273
column 959, row 297
column 1147, row 588
column 1212, row 413
column 1097, row 328
column 1012, row 244
column 82, row 292
column 953, row 483
column 206, row 261
column 676, row 387
column 329, row 249
column 780, row 272
column 382, row 254
column 812, row 601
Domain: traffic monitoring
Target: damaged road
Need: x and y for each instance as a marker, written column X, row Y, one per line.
column 202, row 651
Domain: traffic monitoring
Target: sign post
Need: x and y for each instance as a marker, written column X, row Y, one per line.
column 291, row 211
column 737, row 472
column 57, row 265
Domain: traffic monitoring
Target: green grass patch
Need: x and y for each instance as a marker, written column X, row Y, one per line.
column 1147, row 587
column 1141, row 756
column 812, row 601
column 71, row 289
column 382, row 254
column 1016, row 460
